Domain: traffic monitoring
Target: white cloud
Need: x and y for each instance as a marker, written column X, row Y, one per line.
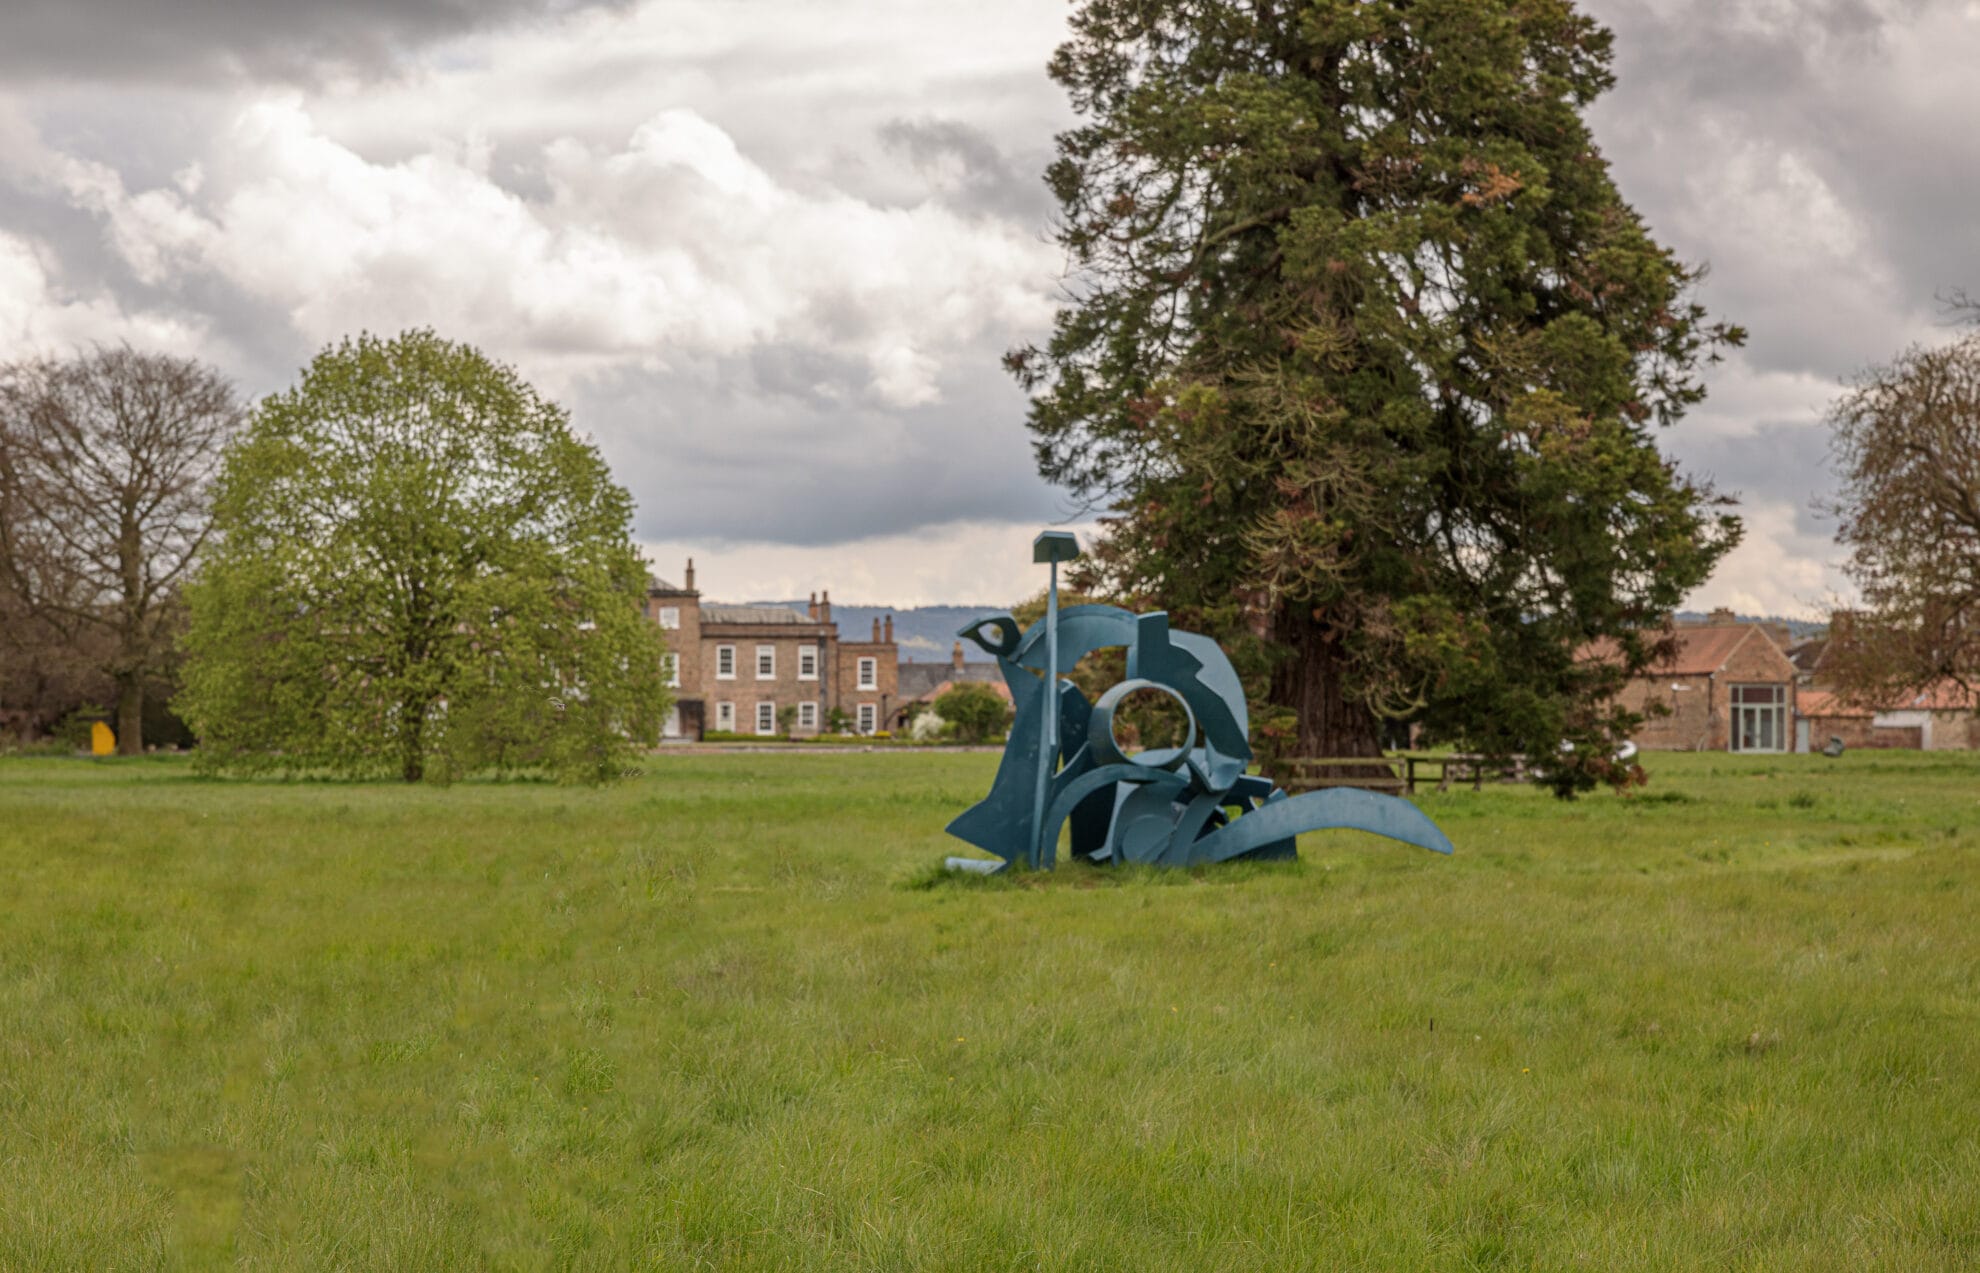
column 1779, row 569
column 770, row 249
column 39, row 316
column 671, row 246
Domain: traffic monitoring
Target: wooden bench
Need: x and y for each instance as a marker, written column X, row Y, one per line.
column 1395, row 775
column 1301, row 774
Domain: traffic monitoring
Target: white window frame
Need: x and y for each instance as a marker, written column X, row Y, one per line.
column 766, row 717
column 725, row 718
column 1741, row 715
column 869, row 674
column 670, row 617
column 766, row 662
column 869, row 718
column 670, row 667
column 725, row 656
column 807, row 716
column 807, row 663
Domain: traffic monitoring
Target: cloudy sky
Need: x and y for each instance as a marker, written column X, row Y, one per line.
column 769, row 251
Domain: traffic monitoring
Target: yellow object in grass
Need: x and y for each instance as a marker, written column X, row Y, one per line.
column 102, row 741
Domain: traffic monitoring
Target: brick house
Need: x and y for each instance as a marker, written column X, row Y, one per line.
column 1727, row 686
column 736, row 668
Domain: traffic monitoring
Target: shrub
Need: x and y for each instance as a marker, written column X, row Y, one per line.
column 976, row 711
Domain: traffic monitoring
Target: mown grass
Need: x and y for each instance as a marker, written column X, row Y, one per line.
column 726, row 1016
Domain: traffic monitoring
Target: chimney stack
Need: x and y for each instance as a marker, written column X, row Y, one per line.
column 688, row 583
column 1842, row 626
column 956, row 659
column 887, row 630
column 876, row 629
column 825, row 606
column 1722, row 617
column 812, row 609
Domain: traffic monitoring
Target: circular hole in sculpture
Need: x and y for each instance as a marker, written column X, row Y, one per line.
column 1152, row 720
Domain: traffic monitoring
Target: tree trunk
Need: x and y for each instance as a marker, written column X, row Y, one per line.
column 1311, row 683
column 412, row 745
column 412, row 755
column 130, row 714
column 132, row 652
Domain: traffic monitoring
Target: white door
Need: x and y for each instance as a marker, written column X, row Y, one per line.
column 672, row 727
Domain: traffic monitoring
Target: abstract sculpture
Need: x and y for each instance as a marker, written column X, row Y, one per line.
column 1181, row 806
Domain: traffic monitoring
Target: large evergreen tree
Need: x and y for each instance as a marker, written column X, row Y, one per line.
column 422, row 572
column 1366, row 355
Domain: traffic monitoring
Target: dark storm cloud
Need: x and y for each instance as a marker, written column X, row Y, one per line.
column 975, row 174
column 1819, row 156
column 782, row 446
column 139, row 40
column 1813, row 101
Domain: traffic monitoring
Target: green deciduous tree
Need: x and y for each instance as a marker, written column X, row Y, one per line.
column 420, row 571
column 976, row 710
column 1365, row 358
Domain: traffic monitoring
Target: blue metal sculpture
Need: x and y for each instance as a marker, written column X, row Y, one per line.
column 1063, row 765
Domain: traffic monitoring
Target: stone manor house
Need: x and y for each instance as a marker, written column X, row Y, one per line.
column 737, row 668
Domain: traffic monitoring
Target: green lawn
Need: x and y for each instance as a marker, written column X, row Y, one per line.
column 726, row 1016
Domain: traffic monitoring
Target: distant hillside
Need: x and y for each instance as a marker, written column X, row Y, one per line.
column 924, row 633
column 1797, row 628
column 928, row 633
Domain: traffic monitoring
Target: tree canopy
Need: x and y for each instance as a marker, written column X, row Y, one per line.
column 1365, row 357
column 1906, row 446
column 976, row 710
column 420, row 571
column 105, row 462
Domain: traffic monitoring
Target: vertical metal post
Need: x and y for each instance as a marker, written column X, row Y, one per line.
column 1048, row 746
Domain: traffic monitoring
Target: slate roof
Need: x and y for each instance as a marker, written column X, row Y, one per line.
column 922, row 680
column 1807, row 655
column 1002, row 690
column 753, row 615
column 654, row 583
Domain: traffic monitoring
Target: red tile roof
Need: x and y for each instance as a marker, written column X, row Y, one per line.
column 1700, row 650
column 1942, row 696
column 1827, row 703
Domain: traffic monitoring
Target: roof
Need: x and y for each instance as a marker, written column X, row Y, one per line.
column 1698, row 649
column 756, row 615
column 1807, row 655
column 1827, row 703
column 654, row 583
column 918, row 680
column 1002, row 690
column 1940, row 696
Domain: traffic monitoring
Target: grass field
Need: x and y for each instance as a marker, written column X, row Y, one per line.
column 727, row 1016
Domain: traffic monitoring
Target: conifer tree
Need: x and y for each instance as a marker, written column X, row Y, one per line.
column 1365, row 358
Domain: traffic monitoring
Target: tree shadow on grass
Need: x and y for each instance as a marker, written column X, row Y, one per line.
column 1077, row 875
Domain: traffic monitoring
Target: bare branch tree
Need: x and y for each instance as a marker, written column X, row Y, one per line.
column 1961, row 305
column 1907, row 448
column 105, row 460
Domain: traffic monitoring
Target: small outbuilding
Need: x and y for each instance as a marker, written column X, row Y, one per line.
column 1942, row 717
